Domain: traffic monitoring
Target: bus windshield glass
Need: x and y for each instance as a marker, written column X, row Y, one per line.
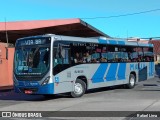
column 32, row 56
column 32, row 61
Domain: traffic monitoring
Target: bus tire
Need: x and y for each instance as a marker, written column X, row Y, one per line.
column 132, row 81
column 79, row 88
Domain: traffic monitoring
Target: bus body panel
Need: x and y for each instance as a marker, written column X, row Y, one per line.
column 38, row 89
column 96, row 74
column 36, row 86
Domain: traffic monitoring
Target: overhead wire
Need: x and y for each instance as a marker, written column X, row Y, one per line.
column 123, row 15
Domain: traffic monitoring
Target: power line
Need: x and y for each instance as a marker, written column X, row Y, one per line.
column 124, row 15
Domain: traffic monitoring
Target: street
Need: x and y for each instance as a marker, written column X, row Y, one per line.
column 141, row 98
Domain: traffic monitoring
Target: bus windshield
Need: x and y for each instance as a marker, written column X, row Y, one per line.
column 31, row 60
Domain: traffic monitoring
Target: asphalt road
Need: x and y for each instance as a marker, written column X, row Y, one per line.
column 141, row 98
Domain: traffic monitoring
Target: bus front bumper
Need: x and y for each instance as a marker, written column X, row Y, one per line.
column 38, row 89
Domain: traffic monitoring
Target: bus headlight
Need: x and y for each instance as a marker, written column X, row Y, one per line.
column 46, row 81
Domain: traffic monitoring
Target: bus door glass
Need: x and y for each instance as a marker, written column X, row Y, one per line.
column 61, row 56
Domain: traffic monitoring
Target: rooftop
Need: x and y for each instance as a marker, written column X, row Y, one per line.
column 70, row 27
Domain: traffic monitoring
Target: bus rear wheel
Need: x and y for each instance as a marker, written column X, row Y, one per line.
column 132, row 81
column 79, row 88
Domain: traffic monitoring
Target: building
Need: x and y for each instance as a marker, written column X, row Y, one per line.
column 156, row 43
column 69, row 27
column 11, row 31
column 6, row 65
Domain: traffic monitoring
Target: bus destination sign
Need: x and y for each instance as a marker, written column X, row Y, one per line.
column 37, row 41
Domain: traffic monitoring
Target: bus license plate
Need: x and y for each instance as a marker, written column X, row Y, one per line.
column 28, row 91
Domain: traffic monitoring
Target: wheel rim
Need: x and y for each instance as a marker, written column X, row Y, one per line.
column 78, row 89
column 132, row 81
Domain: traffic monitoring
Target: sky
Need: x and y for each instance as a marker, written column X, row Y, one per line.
column 144, row 25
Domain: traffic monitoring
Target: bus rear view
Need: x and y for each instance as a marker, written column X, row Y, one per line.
column 32, row 66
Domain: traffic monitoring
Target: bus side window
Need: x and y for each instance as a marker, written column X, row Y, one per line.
column 78, row 58
column 65, row 55
column 148, row 54
column 57, row 59
column 140, row 54
column 123, row 54
column 95, row 57
column 132, row 54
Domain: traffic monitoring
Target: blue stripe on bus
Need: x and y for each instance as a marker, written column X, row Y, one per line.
column 111, row 75
column 121, row 43
column 99, row 74
column 151, row 68
column 112, row 42
column 46, row 89
column 122, row 71
column 102, row 41
column 42, row 89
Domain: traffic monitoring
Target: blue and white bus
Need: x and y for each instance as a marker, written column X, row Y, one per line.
column 53, row 64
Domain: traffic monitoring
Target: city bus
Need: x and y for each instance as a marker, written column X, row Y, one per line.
column 53, row 64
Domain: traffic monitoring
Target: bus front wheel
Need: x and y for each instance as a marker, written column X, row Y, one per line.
column 79, row 88
column 132, row 81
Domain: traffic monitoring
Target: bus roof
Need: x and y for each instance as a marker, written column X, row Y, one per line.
column 101, row 40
